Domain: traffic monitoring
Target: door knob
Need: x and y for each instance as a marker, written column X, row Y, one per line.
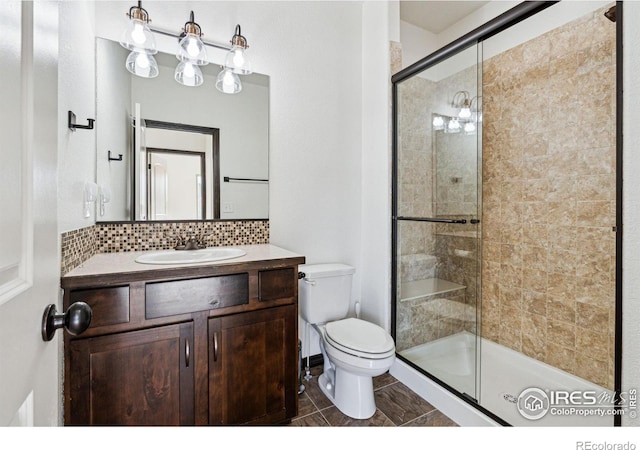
column 75, row 320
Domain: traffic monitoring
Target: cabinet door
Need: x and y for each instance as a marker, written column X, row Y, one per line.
column 253, row 367
column 133, row 378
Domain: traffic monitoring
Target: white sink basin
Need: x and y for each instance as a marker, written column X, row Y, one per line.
column 190, row 256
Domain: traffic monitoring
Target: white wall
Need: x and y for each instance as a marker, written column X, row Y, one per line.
column 375, row 224
column 113, row 131
column 76, row 92
column 631, row 206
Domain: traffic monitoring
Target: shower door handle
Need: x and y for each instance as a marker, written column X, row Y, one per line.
column 433, row 219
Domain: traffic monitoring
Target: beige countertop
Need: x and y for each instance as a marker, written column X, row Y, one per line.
column 124, row 262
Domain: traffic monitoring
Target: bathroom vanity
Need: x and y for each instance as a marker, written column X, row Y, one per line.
column 212, row 343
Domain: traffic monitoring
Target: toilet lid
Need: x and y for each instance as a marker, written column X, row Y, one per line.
column 359, row 335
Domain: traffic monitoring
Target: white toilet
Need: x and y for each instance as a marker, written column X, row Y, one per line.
column 354, row 350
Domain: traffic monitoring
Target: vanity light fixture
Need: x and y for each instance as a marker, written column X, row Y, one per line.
column 138, row 38
column 191, row 54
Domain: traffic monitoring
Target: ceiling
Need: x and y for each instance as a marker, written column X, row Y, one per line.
column 436, row 16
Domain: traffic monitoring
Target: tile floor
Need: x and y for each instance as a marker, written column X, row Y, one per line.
column 397, row 406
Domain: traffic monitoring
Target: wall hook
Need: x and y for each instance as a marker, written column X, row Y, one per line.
column 75, row 320
column 119, row 158
column 73, row 126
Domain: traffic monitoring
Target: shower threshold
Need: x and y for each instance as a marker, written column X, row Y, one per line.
column 504, row 375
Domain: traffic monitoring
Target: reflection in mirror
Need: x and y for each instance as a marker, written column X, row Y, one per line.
column 228, row 133
column 172, row 181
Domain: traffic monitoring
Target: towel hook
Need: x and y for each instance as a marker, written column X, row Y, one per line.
column 73, row 126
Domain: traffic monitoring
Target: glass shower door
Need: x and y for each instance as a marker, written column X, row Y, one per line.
column 436, row 220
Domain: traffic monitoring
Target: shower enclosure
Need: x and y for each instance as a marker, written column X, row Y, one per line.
column 506, row 214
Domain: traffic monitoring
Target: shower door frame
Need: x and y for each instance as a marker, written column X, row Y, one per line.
column 509, row 18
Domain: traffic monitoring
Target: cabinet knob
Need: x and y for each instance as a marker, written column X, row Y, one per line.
column 75, row 320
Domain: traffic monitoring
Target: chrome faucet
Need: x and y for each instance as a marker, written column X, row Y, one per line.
column 191, row 243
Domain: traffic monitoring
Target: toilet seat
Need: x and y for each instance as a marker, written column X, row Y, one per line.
column 359, row 338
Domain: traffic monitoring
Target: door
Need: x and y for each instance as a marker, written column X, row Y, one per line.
column 176, row 191
column 133, row 378
column 29, row 261
column 437, row 216
column 253, row 367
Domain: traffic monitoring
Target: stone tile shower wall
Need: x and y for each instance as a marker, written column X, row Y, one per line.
column 549, row 198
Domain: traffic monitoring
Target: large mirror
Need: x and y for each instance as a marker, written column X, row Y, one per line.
column 171, row 152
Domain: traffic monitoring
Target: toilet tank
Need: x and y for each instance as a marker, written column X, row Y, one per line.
column 325, row 292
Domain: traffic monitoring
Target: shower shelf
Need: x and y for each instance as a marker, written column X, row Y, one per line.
column 412, row 290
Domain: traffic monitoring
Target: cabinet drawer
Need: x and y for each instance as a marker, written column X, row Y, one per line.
column 275, row 284
column 110, row 306
column 185, row 296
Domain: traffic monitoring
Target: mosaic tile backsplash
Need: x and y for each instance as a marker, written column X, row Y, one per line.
column 110, row 237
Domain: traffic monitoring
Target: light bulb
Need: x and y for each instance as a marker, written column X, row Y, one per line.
column 453, row 126
column 238, row 57
column 137, row 34
column 142, row 64
column 469, row 128
column 438, row 123
column 142, row 61
column 465, row 113
column 228, row 82
column 192, row 48
column 188, row 74
column 138, row 37
column 237, row 61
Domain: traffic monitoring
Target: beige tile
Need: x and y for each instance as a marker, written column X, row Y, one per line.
column 561, row 357
column 534, row 302
column 535, row 234
column 561, row 308
column 562, row 213
column 591, row 369
column 593, row 342
column 595, row 214
column 592, row 317
column 561, row 333
column 534, row 279
column 561, row 285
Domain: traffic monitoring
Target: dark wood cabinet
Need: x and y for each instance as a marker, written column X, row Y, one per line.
column 189, row 346
column 249, row 361
column 134, row 378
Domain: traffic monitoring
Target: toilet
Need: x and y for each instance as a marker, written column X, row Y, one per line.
column 354, row 351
